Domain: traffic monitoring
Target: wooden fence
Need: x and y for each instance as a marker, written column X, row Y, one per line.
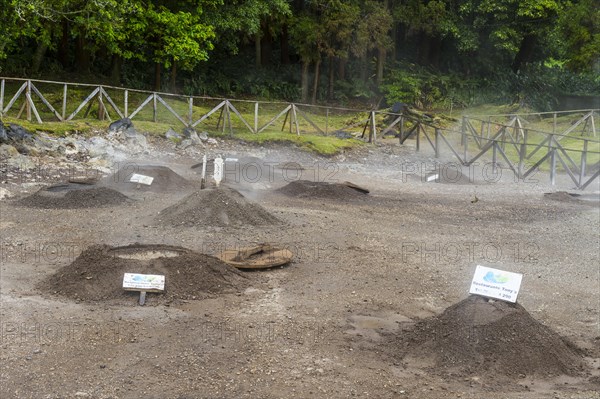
column 559, row 141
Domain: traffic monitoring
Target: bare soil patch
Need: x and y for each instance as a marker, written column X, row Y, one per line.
column 311, row 189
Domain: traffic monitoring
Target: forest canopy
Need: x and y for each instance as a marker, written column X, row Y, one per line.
column 430, row 53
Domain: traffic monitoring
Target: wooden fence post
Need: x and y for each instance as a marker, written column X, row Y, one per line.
column 522, row 154
column 2, row 98
column 154, row 108
column 582, row 164
column 552, row 160
column 191, row 110
column 27, row 96
column 436, row 141
column 256, row 117
column 126, row 103
column 64, row 102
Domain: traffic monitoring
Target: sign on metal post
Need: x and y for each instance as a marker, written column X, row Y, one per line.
column 141, row 179
column 494, row 283
column 143, row 283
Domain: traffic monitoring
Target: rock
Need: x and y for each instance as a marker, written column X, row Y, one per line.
column 16, row 132
column 195, row 139
column 8, row 151
column 173, row 135
column 3, row 133
column 212, row 141
column 121, row 125
column 185, row 144
column 138, row 142
column 100, row 147
column 340, row 134
column 21, row 162
column 187, row 132
column 203, row 136
column 4, row 193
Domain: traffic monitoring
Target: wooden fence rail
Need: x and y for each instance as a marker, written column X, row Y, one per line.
column 510, row 137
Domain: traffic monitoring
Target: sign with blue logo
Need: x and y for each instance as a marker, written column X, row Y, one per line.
column 494, row 283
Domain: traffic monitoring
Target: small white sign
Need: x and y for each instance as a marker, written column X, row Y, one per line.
column 141, row 179
column 143, row 282
column 432, row 177
column 231, row 159
column 218, row 173
column 496, row 283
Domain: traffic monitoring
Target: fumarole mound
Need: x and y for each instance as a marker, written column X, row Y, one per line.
column 478, row 336
column 73, row 196
column 215, row 207
column 97, row 274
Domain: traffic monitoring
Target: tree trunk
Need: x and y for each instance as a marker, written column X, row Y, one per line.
column 266, row 47
column 524, row 54
column 157, row 73
column 115, row 69
column 304, row 84
column 82, row 55
column 364, row 67
column 173, row 80
column 38, row 57
column 316, row 82
column 63, row 47
column 342, row 68
column 257, row 50
column 423, row 51
column 285, row 46
column 380, row 64
column 331, row 77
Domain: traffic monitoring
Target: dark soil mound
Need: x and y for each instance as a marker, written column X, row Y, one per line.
column 215, row 207
column 493, row 338
column 97, row 274
column 73, row 195
column 310, row 189
column 164, row 179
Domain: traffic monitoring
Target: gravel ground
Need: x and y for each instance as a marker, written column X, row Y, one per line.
column 363, row 271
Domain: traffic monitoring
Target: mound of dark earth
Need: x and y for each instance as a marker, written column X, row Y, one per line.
column 164, row 179
column 478, row 336
column 310, row 189
column 215, row 207
column 73, row 195
column 97, row 274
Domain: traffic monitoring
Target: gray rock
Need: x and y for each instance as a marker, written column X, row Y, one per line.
column 8, row 151
column 203, row 136
column 121, row 125
column 185, row 144
column 195, row 139
column 187, row 132
column 16, row 132
column 172, row 135
column 100, row 147
column 212, row 141
column 3, row 133
column 21, row 162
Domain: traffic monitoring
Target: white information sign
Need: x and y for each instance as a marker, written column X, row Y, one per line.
column 218, row 174
column 143, row 282
column 496, row 283
column 141, row 179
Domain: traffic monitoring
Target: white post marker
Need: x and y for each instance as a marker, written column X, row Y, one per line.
column 494, row 283
column 218, row 174
column 143, row 283
column 203, row 180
